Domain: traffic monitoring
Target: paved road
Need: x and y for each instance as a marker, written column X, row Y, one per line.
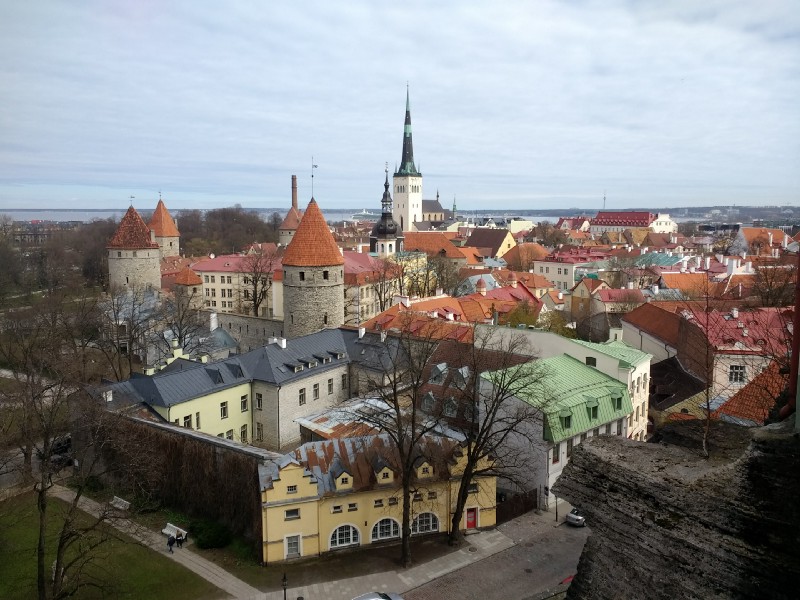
column 544, row 555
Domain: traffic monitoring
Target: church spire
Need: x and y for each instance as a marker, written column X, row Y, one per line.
column 386, row 201
column 407, row 163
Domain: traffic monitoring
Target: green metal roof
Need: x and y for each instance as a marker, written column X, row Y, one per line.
column 571, row 388
column 627, row 355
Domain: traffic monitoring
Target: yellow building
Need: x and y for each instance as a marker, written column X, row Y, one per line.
column 344, row 493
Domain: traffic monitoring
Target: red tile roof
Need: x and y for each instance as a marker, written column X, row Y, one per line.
column 161, row 222
column 658, row 322
column 623, row 295
column 754, row 401
column 188, row 277
column 292, row 220
column 313, row 244
column 523, row 254
column 132, row 233
column 225, row 263
column 623, row 219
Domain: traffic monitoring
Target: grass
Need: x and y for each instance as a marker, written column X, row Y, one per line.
column 125, row 569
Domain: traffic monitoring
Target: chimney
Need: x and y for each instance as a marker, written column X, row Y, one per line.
column 735, row 313
column 383, row 336
column 282, row 342
column 630, row 285
column 769, row 234
column 560, row 295
column 439, row 291
column 748, row 267
column 294, row 191
column 108, row 395
column 708, row 263
column 655, row 289
column 271, row 340
column 450, row 316
column 732, row 266
column 361, row 332
column 213, row 321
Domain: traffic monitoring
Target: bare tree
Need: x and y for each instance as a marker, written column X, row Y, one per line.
column 180, row 314
column 395, row 385
column 386, row 281
column 774, row 284
column 256, row 269
column 493, row 373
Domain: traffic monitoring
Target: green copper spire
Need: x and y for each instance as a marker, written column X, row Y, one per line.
column 407, row 163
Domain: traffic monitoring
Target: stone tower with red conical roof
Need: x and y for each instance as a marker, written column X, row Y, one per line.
column 313, row 277
column 134, row 256
column 166, row 231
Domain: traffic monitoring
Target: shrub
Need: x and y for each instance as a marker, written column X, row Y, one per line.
column 209, row 534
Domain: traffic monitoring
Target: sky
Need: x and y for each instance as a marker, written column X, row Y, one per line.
column 526, row 104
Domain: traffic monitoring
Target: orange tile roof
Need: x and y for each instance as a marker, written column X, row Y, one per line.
column 188, row 277
column 161, row 222
column 659, row 322
column 473, row 255
column 313, row 244
column 754, row 401
column 433, row 243
column 525, row 253
column 689, row 283
column 132, row 233
column 292, row 220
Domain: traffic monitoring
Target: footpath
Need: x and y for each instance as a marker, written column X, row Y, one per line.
column 479, row 546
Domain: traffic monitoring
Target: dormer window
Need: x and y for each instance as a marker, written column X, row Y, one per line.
column 566, row 419
column 450, row 408
column 428, row 402
column 616, row 401
column 591, row 409
column 438, row 373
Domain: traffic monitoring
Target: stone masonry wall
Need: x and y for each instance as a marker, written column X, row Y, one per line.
column 308, row 302
column 251, row 332
column 128, row 271
column 668, row 523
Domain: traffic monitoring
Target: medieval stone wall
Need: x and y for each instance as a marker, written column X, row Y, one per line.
column 251, row 332
column 138, row 269
column 668, row 523
column 313, row 299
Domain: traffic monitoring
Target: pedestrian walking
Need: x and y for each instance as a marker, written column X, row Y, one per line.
column 179, row 539
column 170, row 543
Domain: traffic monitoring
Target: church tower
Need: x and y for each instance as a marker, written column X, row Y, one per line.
column 166, row 231
column 313, row 277
column 386, row 237
column 134, row 256
column 407, row 181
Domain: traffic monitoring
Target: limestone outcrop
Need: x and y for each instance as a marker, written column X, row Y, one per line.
column 668, row 523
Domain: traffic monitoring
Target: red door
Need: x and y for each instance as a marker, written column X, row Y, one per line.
column 472, row 518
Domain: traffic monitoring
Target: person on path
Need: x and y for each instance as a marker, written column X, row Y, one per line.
column 170, row 543
column 179, row 539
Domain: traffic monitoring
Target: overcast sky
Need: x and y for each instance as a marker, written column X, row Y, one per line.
column 529, row 104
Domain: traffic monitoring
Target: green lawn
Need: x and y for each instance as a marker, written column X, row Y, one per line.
column 126, row 569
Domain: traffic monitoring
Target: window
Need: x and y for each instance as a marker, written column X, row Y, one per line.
column 417, row 497
column 556, row 453
column 223, row 410
column 584, row 436
column 292, row 546
column 212, row 279
column 736, row 374
column 259, row 432
column 385, row 529
column 424, row 523
column 344, row 535
column 608, row 429
column 291, row 489
column 344, row 378
column 352, row 506
column 229, row 281
column 450, row 408
column 426, row 470
column 637, row 414
column 325, row 275
column 197, row 419
column 595, row 432
column 619, row 426
column 592, row 412
column 392, row 501
column 259, row 401
column 229, row 434
column 431, row 495
column 302, row 396
column 570, row 444
column 302, row 276
column 591, row 361
column 187, row 421
column 243, row 433
column 378, row 503
column 566, row 421
column 244, row 403
column 291, row 514
column 427, row 402
column 385, row 475
column 336, row 508
column 316, row 391
column 617, row 402
column 344, row 480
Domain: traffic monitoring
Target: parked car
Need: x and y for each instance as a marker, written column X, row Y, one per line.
column 575, row 518
column 379, row 596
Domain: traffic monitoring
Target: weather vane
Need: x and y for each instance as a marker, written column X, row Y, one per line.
column 313, row 166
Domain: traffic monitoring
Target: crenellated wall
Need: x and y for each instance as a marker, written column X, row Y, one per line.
column 668, row 523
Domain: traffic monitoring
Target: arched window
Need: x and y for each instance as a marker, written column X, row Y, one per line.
column 390, row 247
column 344, row 535
column 425, row 523
column 385, row 529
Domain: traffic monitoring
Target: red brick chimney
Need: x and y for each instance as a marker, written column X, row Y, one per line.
column 294, row 192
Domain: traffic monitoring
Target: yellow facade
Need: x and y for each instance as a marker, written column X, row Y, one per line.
column 297, row 522
column 210, row 410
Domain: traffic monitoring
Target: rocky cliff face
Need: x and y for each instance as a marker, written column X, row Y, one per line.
column 668, row 523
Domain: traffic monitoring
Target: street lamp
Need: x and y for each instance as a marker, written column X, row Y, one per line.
column 285, row 584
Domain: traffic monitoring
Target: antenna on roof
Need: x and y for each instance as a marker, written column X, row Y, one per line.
column 313, row 166
column 604, row 199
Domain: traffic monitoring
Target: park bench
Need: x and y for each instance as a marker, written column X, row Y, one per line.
column 119, row 503
column 174, row 530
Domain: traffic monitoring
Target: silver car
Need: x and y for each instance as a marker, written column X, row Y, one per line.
column 575, row 518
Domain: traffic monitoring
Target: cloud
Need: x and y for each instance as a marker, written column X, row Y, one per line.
column 679, row 103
